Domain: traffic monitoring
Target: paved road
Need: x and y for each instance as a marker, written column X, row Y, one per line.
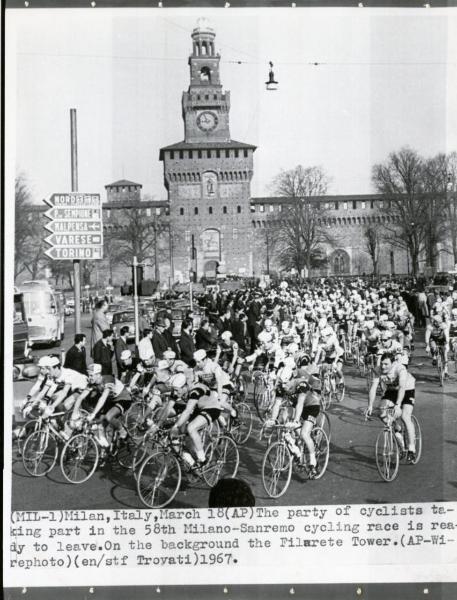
column 351, row 476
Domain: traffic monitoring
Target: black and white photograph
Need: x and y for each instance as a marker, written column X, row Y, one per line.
column 232, row 239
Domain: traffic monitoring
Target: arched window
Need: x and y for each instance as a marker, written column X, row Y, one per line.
column 210, row 210
column 205, row 74
column 181, row 212
column 238, row 209
column 224, row 210
column 196, row 210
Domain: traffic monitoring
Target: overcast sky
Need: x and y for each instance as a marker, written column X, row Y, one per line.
column 390, row 80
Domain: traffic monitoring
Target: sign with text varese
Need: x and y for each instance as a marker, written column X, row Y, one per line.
column 76, row 226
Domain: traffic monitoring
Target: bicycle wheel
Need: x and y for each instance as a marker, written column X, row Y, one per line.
column 79, row 458
column 326, row 393
column 145, row 448
column 126, row 452
column 241, row 427
column 387, row 455
column 417, row 439
column 210, row 433
column 223, row 461
column 23, row 432
column 39, row 453
column 339, row 392
column 260, row 391
column 134, row 419
column 159, row 479
column 440, row 369
column 322, row 450
column 276, row 469
column 323, row 421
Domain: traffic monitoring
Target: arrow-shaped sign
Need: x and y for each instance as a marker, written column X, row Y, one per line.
column 75, row 253
column 75, row 199
column 75, row 239
column 74, row 226
column 71, row 214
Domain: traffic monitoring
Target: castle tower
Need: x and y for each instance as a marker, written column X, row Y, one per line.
column 208, row 175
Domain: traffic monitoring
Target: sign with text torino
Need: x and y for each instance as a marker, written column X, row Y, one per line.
column 76, row 226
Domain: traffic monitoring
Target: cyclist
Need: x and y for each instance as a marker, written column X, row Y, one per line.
column 105, row 398
column 399, row 394
column 227, row 354
column 371, row 336
column 437, row 335
column 203, row 407
column 66, row 386
column 40, row 388
column 388, row 345
column 303, row 389
column 131, row 370
column 453, row 332
column 329, row 352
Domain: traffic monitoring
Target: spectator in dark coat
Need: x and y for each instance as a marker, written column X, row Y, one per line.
column 168, row 334
column 159, row 341
column 119, row 346
column 186, row 342
column 75, row 358
column 239, row 330
column 253, row 316
column 204, row 338
column 103, row 352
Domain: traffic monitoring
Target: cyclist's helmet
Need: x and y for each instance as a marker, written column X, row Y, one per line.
column 227, row 335
column 386, row 335
column 369, row 324
column 292, row 348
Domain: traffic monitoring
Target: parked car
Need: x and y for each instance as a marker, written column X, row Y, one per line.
column 120, row 319
column 21, row 349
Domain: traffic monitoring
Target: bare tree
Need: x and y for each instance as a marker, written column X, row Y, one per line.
column 401, row 181
column 372, row 243
column 132, row 232
column 441, row 184
column 28, row 231
column 302, row 230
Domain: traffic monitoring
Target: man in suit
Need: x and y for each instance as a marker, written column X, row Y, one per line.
column 75, row 358
column 168, row 335
column 119, row 346
column 159, row 341
column 186, row 342
column 238, row 329
column 103, row 352
column 99, row 323
column 252, row 322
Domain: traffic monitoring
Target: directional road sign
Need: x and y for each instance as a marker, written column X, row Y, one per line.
column 76, row 226
column 76, row 213
column 75, row 239
column 75, row 253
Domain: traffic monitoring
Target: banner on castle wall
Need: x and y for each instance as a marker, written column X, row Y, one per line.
column 211, row 243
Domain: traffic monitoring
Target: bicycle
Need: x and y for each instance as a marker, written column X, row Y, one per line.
column 389, row 449
column 330, row 389
column 438, row 355
column 264, row 394
column 41, row 448
column 160, row 474
column 278, row 459
column 370, row 369
column 83, row 452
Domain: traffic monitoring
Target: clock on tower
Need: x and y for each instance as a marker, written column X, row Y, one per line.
column 205, row 105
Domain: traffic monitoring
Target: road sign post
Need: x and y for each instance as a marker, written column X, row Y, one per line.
column 135, row 301
column 76, row 233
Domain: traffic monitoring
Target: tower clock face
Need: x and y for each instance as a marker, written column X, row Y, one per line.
column 207, row 121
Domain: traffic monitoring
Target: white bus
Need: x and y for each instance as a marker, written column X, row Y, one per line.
column 44, row 312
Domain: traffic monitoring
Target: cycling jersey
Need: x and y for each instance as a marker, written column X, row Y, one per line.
column 210, row 372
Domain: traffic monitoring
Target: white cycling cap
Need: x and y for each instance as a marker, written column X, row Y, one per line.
column 199, row 355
